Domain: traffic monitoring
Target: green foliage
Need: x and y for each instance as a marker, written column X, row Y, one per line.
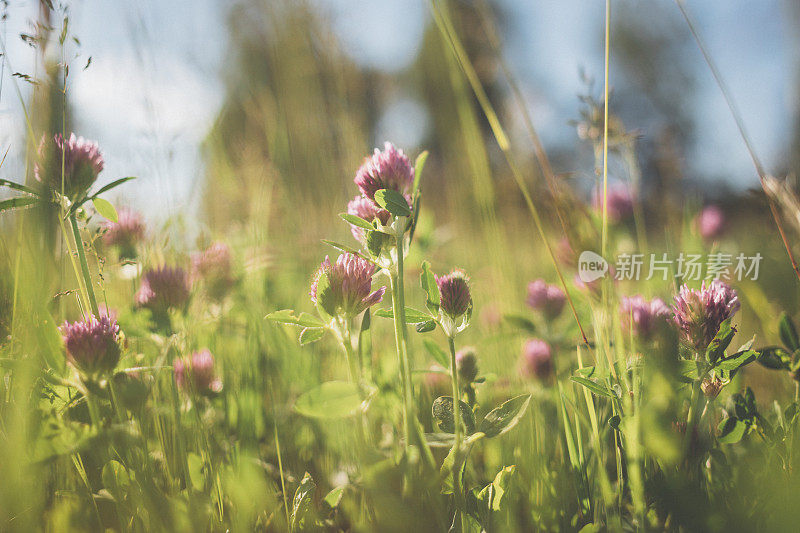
column 330, row 400
column 503, row 418
column 105, row 208
column 392, row 201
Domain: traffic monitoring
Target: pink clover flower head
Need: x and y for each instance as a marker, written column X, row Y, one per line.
column 620, row 202
column 125, row 233
column 642, row 316
column 197, row 374
column 387, row 169
column 164, row 288
column 92, row 344
column 454, row 293
column 214, row 268
column 537, row 359
column 345, row 287
column 78, row 160
column 711, row 223
column 368, row 210
column 700, row 312
column 549, row 299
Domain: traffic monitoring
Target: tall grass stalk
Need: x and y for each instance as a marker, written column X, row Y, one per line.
column 737, row 117
column 444, row 23
column 87, row 276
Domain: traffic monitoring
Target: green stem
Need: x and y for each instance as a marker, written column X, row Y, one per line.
column 691, row 419
column 280, row 460
column 355, row 371
column 350, row 356
column 412, row 427
column 400, row 341
column 458, row 491
column 87, row 277
column 94, row 411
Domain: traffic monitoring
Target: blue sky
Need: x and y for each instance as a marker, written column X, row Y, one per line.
column 153, row 87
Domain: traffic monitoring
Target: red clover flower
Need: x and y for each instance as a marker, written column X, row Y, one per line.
column 387, row 169
column 92, row 344
column 164, row 288
column 345, row 287
column 643, row 316
column 197, row 374
column 125, row 233
column 80, row 160
column 214, row 268
column 700, row 312
column 619, row 202
column 537, row 360
column 711, row 223
column 548, row 299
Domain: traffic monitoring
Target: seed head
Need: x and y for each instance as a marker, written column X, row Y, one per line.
column 642, row 316
column 78, row 160
column 387, row 169
column 197, row 374
column 700, row 312
column 455, row 298
column 164, row 288
column 344, row 287
column 92, row 344
column 537, row 360
column 548, row 299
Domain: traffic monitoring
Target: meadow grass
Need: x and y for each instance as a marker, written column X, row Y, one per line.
column 445, row 368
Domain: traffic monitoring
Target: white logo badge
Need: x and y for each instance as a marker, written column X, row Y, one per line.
column 591, row 266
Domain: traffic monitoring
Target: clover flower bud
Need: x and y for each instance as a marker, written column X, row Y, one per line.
column 92, row 344
column 537, row 360
column 387, row 169
column 643, row 317
column 467, row 365
column 711, row 223
column 619, row 203
column 213, row 267
column 548, row 299
column 68, row 165
column 700, row 312
column 455, row 298
column 125, row 233
column 345, row 287
column 163, row 288
column 197, row 374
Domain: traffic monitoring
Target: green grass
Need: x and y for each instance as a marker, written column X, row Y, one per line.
column 618, row 437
